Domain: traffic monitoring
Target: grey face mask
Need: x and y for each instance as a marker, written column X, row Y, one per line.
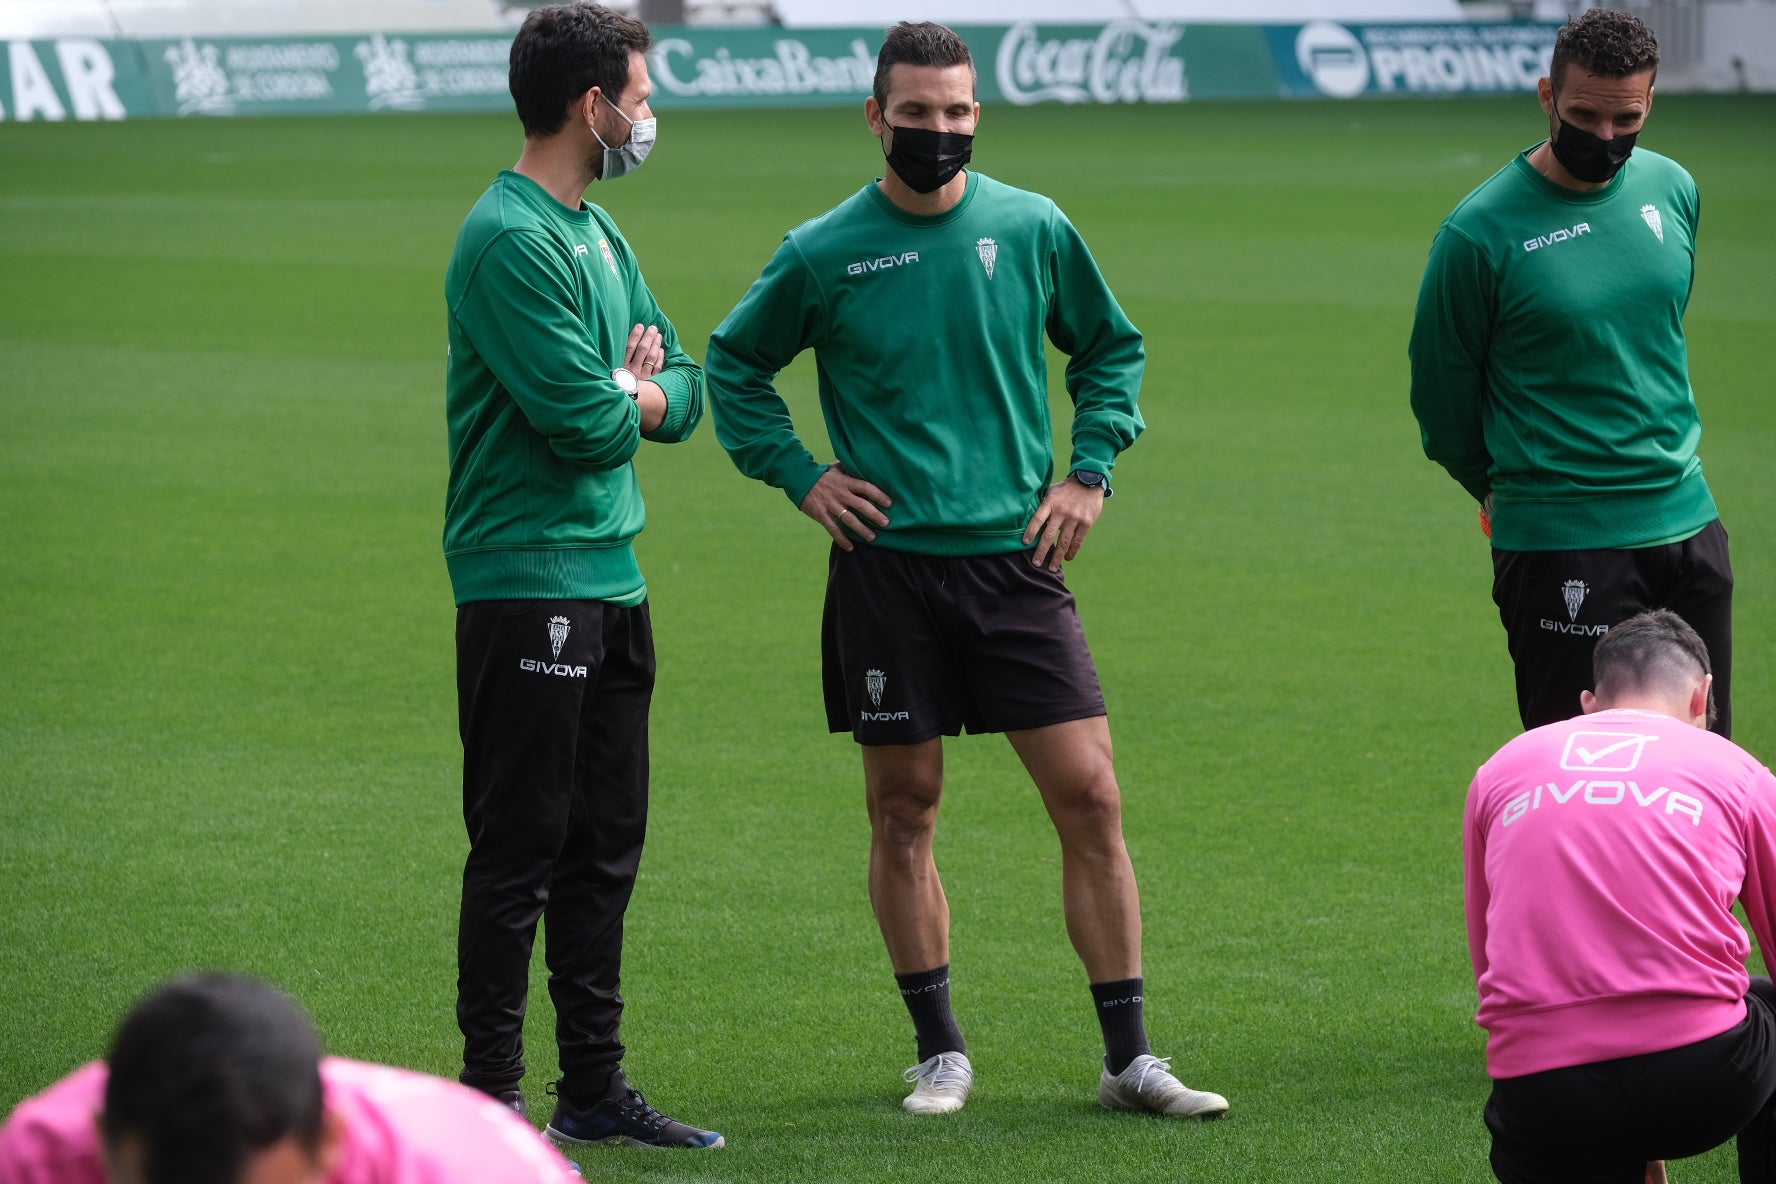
column 621, row 161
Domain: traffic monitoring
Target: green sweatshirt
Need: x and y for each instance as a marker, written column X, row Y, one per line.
column 543, row 502
column 1548, row 359
column 928, row 336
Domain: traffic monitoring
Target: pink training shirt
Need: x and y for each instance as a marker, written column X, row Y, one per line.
column 1602, row 857
column 398, row 1128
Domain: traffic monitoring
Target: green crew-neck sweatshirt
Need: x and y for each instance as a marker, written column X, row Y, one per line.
column 542, row 501
column 1548, row 358
column 928, row 335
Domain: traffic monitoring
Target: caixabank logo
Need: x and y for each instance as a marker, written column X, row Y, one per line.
column 1332, row 60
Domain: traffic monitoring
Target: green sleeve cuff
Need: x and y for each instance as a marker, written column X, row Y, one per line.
column 1093, row 453
column 676, row 385
column 798, row 486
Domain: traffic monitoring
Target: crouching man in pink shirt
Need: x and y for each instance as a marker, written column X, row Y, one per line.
column 1603, row 855
column 220, row 1080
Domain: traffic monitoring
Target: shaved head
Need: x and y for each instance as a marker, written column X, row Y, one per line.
column 1655, row 653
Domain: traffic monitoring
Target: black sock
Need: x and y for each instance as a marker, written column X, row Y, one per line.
column 927, row 997
column 1119, row 1014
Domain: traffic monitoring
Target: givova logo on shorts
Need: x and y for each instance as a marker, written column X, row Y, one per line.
column 875, row 684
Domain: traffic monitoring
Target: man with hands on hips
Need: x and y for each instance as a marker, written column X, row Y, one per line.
column 926, row 298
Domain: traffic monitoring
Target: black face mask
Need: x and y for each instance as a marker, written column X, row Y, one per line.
column 1587, row 157
column 926, row 160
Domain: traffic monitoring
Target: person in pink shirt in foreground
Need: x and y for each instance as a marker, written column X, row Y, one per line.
column 219, row 1080
column 1602, row 858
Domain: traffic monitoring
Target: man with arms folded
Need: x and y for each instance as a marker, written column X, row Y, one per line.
column 561, row 364
column 1602, row 857
column 925, row 298
column 1550, row 377
column 219, row 1080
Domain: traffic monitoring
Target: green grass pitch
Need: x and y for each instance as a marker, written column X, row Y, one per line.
column 227, row 730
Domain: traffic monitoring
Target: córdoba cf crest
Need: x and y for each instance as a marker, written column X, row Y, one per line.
column 988, row 250
column 1650, row 213
column 558, row 628
column 873, row 682
column 1574, row 592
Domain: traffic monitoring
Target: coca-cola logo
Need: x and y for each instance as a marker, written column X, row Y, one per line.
column 1127, row 62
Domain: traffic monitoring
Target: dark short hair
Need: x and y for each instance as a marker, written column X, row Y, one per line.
column 208, row 1071
column 1606, row 42
column 923, row 44
column 565, row 50
column 1652, row 651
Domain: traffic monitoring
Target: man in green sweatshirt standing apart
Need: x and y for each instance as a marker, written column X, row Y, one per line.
column 1550, row 377
column 925, row 298
column 561, row 364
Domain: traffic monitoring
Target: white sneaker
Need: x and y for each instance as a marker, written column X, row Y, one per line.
column 1148, row 1084
column 940, row 1084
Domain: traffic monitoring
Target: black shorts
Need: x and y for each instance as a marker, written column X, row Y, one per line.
column 1600, row 1123
column 1556, row 604
column 917, row 646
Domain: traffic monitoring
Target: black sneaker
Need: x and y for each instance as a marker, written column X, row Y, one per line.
column 625, row 1121
column 513, row 1100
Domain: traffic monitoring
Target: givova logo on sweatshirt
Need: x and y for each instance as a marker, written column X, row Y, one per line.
column 1565, row 234
column 883, row 263
column 1601, row 793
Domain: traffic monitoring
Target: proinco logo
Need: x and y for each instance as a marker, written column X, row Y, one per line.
column 1564, row 235
column 988, row 250
column 1333, row 58
column 884, row 263
column 1574, row 592
column 558, row 627
column 1650, row 214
